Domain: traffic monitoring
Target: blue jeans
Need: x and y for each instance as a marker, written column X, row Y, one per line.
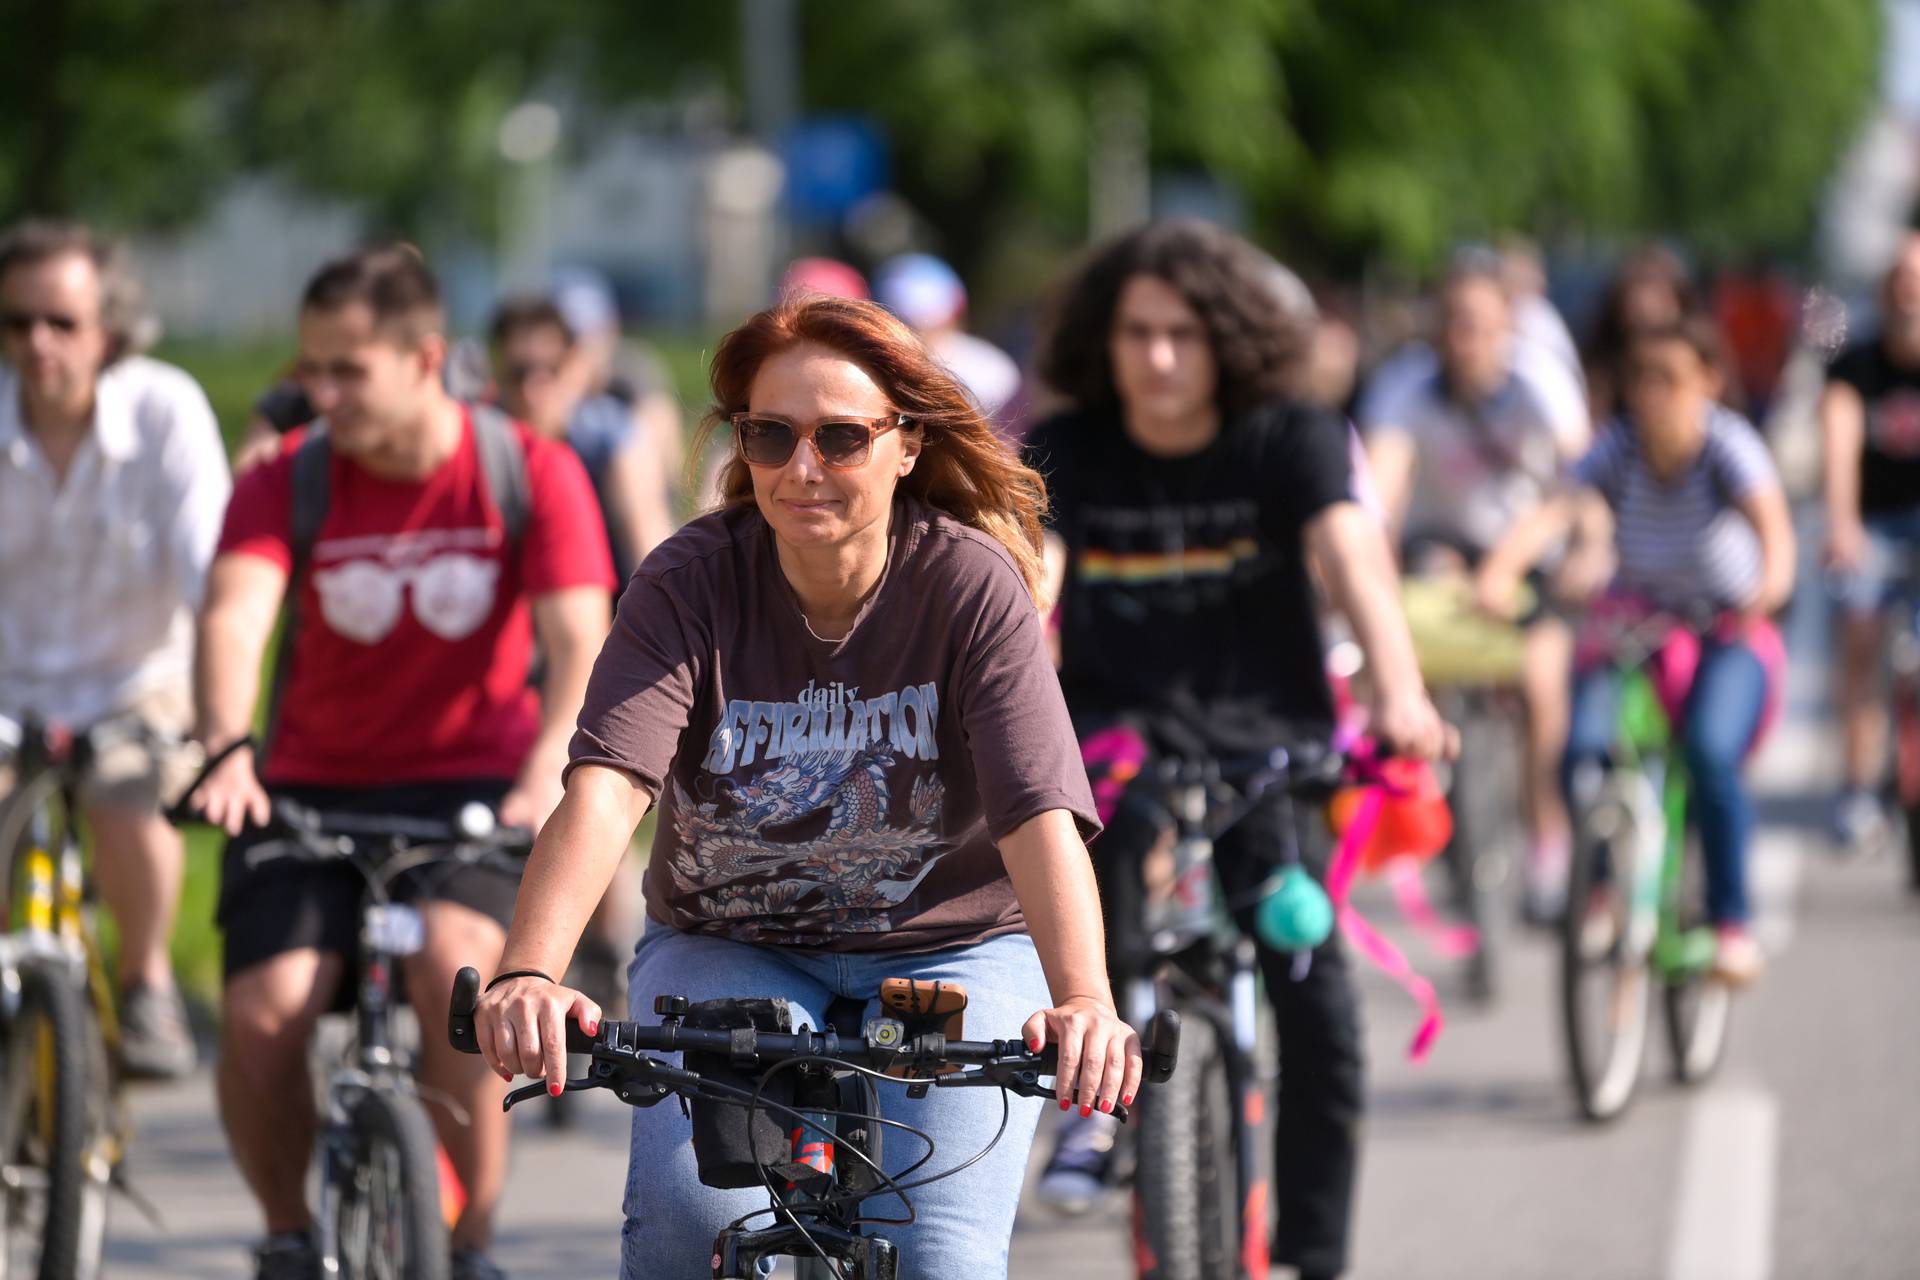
column 1722, row 714
column 964, row 1222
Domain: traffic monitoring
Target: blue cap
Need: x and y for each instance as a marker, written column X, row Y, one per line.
column 920, row 289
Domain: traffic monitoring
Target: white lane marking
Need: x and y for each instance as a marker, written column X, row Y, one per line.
column 1723, row 1220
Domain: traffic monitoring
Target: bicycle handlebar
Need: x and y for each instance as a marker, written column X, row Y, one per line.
column 322, row 836
column 1008, row 1064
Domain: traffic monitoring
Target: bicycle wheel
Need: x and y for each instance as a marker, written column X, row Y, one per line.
column 1185, row 1192
column 1697, row 1006
column 387, row 1223
column 1605, row 979
column 54, row 1199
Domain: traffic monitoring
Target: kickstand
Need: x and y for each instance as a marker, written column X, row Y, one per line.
column 148, row 1209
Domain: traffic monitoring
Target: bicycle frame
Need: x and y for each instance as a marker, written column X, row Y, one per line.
column 1214, row 974
column 1644, row 736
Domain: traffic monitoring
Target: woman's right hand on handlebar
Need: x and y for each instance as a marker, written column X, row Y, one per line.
column 522, row 1028
column 230, row 796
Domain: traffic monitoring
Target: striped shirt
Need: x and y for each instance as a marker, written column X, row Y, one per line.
column 1684, row 541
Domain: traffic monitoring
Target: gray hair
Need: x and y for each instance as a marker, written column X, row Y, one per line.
column 130, row 329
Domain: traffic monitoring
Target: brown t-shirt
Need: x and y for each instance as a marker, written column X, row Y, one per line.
column 842, row 795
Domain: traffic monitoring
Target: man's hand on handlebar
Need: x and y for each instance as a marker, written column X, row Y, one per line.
column 230, row 795
column 1408, row 725
column 522, row 1028
column 1099, row 1056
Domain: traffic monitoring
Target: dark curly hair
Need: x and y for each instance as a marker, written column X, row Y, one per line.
column 1257, row 342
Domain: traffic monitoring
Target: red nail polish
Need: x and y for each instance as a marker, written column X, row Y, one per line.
column 591, row 1028
column 1065, row 1104
column 1085, row 1111
column 555, row 1088
column 1106, row 1105
column 1127, row 1101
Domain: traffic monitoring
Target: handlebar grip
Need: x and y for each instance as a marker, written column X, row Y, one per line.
column 466, row 994
column 1163, row 1045
column 578, row 1041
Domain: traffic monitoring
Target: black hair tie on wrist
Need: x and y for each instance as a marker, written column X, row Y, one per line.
column 517, row 973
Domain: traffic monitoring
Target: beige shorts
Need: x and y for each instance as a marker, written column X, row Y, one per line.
column 128, row 775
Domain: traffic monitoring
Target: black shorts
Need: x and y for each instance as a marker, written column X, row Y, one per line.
column 284, row 905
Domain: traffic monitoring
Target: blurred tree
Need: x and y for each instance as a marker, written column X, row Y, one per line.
column 1348, row 127
column 1371, row 126
column 108, row 108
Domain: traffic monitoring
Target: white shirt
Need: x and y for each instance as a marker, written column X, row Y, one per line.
column 982, row 368
column 1480, row 468
column 99, row 575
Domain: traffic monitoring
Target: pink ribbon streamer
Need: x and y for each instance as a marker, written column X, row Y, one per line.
column 1386, row 957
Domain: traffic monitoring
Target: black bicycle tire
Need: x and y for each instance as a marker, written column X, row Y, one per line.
column 384, row 1115
column 65, row 1253
column 1186, row 1197
column 1587, row 1078
column 1690, row 1066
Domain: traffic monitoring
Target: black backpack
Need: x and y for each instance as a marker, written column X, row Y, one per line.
column 503, row 470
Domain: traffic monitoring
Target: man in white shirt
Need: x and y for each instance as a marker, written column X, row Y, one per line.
column 1464, row 437
column 113, row 481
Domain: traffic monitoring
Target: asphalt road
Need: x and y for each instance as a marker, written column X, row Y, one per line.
column 1802, row 1158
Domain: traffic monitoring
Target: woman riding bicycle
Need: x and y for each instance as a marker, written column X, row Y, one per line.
column 837, row 689
column 1700, row 519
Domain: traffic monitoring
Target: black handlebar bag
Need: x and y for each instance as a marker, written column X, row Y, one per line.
column 730, row 1151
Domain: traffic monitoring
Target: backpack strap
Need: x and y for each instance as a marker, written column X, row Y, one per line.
column 312, row 484
column 503, row 465
column 312, row 491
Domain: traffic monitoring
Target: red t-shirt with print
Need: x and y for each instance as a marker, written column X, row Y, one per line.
column 415, row 632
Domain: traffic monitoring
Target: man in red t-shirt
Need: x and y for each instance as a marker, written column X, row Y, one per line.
column 405, row 692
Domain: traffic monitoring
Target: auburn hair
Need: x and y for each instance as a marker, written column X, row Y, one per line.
column 965, row 469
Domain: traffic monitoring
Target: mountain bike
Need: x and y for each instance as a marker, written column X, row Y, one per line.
column 1636, row 924
column 380, row 1210
column 1200, row 1194
column 63, row 1130
column 796, row 1111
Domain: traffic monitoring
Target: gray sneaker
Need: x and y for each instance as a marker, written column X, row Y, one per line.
column 287, row 1256
column 155, row 1041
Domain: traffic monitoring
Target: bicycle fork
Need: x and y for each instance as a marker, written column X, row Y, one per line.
column 1250, row 1095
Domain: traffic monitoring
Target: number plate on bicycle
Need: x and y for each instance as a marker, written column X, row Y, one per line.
column 394, row 928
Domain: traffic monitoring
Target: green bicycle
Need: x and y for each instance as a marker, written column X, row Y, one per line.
column 1636, row 923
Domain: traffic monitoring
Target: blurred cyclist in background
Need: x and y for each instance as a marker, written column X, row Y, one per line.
column 1457, row 452
column 1700, row 518
column 927, row 294
column 1650, row 289
column 415, row 599
column 1870, row 424
column 113, row 479
column 544, row 377
column 1189, row 492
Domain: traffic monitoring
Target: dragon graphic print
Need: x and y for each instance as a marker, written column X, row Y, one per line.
column 820, row 813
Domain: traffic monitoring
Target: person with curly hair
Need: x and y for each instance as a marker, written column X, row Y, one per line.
column 1191, row 493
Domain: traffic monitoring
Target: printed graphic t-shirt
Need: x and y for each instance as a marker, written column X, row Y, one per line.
column 848, row 795
column 1187, row 601
column 415, row 631
column 1890, row 393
